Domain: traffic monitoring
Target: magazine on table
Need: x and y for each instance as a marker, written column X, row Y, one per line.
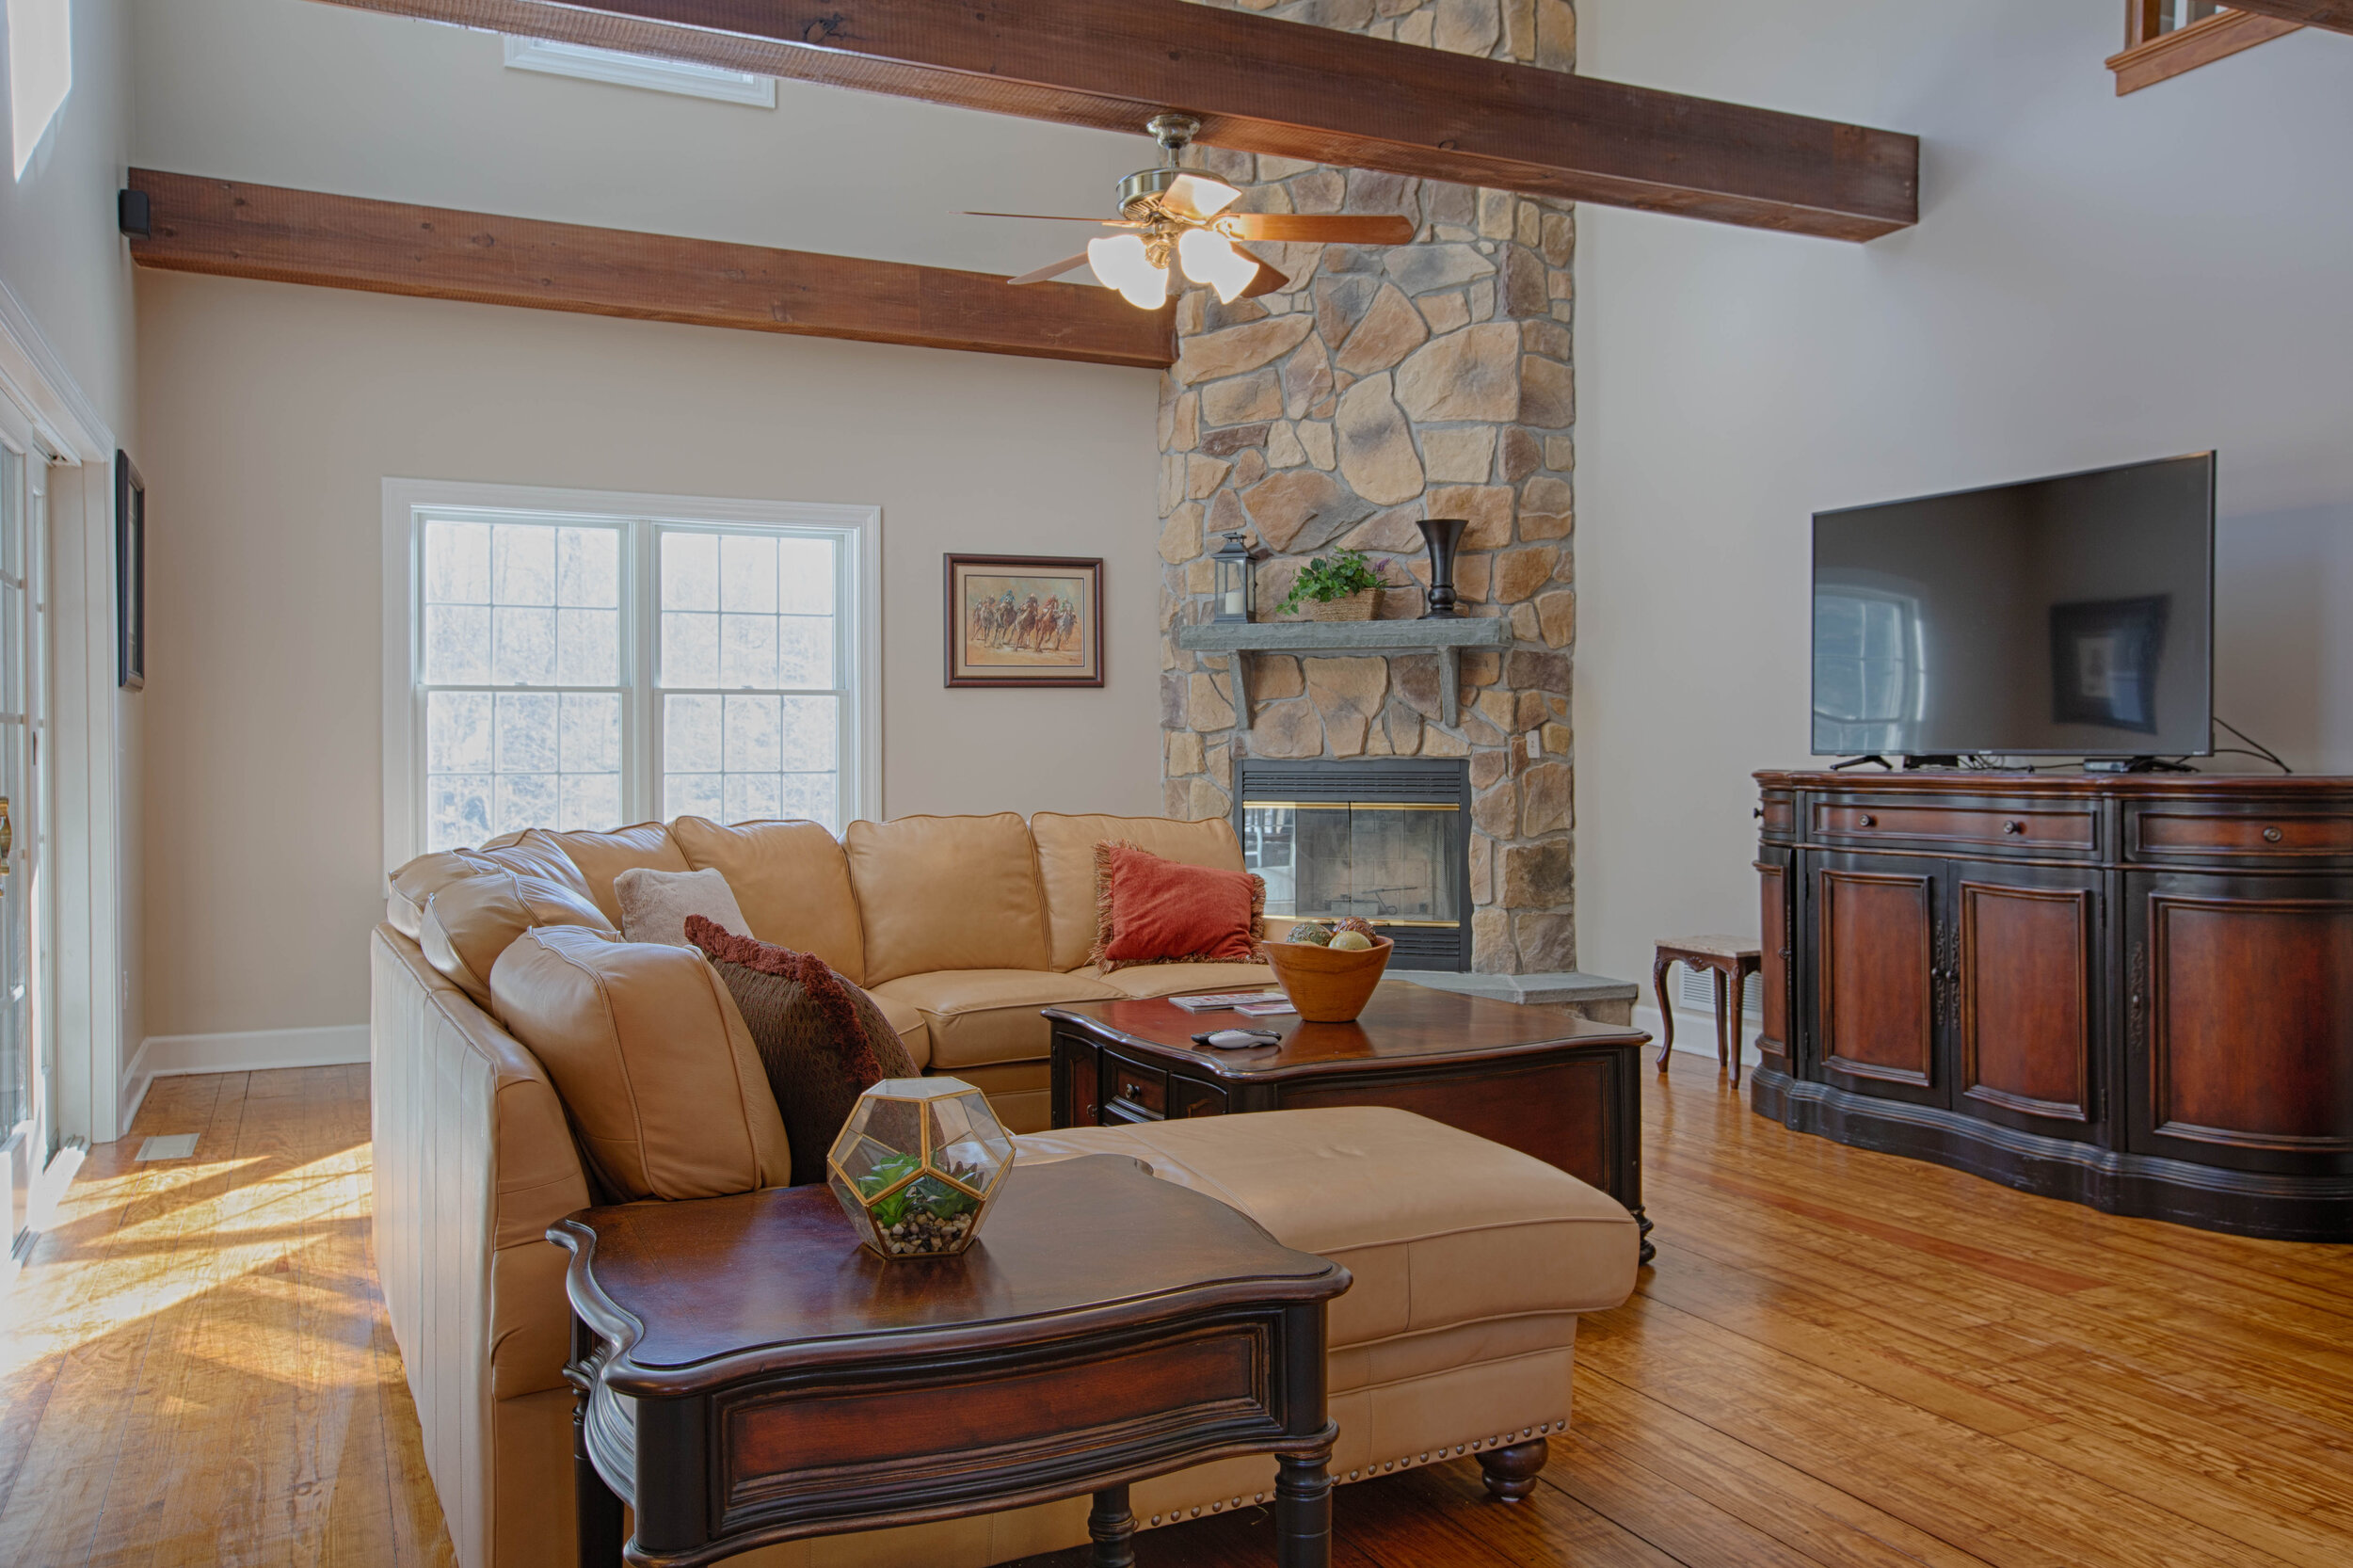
column 1220, row 1001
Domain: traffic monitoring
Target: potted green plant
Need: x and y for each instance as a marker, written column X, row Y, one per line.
column 1343, row 585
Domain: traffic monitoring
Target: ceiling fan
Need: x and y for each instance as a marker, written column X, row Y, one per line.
column 1179, row 214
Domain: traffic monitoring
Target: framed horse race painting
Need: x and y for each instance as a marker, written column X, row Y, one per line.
column 1024, row 620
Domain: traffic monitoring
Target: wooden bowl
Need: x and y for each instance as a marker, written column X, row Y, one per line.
column 1327, row 988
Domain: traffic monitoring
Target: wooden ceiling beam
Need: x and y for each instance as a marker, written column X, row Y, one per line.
column 1264, row 86
column 348, row 241
column 2337, row 15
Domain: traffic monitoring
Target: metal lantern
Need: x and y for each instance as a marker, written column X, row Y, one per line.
column 916, row 1165
column 1236, row 589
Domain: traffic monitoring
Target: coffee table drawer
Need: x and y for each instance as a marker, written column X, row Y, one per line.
column 1136, row 1086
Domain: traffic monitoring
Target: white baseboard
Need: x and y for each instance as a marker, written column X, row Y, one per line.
column 250, row 1051
column 1695, row 1032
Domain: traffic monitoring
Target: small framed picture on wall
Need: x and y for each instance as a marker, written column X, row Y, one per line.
column 1024, row 620
column 130, row 575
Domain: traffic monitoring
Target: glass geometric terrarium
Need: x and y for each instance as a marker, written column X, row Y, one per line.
column 917, row 1164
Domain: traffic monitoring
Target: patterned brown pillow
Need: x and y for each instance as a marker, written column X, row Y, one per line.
column 821, row 1038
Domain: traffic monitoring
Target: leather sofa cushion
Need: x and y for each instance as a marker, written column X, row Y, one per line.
column 983, row 1016
column 1066, row 866
column 653, row 1062
column 1440, row 1227
column 946, row 893
column 1168, row 980
column 791, row 879
column 408, row 890
column 471, row 921
column 907, row 1019
column 603, row 856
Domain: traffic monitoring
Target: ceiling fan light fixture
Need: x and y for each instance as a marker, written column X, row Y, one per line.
column 1211, row 258
column 1123, row 261
column 1203, row 195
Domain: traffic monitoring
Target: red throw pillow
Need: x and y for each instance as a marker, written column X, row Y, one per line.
column 1148, row 910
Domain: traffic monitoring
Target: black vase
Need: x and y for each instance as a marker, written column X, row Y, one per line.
column 1443, row 535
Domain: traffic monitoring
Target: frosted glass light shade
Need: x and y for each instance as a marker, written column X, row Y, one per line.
column 1211, row 259
column 1122, row 263
column 1205, row 195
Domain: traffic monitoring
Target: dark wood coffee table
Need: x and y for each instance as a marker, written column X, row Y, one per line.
column 781, row 1380
column 1540, row 1080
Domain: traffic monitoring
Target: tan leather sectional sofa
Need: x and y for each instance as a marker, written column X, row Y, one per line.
column 1471, row 1261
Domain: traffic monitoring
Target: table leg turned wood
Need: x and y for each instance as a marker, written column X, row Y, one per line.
column 1111, row 1524
column 1723, row 1031
column 596, row 1512
column 1666, row 1014
column 1303, row 1511
column 1511, row 1473
column 1739, row 993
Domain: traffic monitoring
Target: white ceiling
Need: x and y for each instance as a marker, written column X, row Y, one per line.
column 291, row 92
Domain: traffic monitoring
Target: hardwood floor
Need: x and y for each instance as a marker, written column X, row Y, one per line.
column 196, row 1366
column 197, row 1370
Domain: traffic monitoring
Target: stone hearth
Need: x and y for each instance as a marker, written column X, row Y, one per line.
column 1380, row 386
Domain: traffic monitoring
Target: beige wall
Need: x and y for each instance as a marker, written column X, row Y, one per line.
column 2094, row 281
column 275, row 412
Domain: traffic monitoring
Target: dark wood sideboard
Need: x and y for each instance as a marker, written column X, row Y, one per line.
column 2133, row 992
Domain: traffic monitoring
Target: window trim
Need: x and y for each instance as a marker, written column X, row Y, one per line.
column 406, row 502
column 689, row 78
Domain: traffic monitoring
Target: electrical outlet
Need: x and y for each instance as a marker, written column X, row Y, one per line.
column 1535, row 745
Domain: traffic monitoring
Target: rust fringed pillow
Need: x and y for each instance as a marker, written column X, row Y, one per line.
column 820, row 1038
column 1148, row 910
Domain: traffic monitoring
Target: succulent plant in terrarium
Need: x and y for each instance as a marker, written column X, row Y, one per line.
column 917, row 1164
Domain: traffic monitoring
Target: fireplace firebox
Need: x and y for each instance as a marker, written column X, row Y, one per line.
column 1387, row 840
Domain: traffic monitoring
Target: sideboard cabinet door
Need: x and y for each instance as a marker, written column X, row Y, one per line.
column 1880, row 961
column 2239, row 1027
column 1776, row 899
column 2026, row 1014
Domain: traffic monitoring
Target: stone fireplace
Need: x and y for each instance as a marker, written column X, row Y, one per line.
column 1382, row 385
column 1388, row 841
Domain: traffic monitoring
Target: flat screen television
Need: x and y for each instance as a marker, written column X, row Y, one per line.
column 2066, row 618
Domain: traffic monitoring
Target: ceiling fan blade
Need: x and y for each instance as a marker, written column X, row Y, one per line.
column 1053, row 217
column 1309, row 228
column 1267, row 281
column 1068, row 264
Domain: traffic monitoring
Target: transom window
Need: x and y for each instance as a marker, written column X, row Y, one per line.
column 578, row 670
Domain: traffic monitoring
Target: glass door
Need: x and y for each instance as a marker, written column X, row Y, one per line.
column 25, row 1129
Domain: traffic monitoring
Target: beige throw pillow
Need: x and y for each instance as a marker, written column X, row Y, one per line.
column 654, row 904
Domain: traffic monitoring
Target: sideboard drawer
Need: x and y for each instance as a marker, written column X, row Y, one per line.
column 2169, row 833
column 1132, row 1083
column 2022, row 830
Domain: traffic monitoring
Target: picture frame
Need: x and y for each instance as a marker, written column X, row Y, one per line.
column 1022, row 620
column 2104, row 655
column 130, row 575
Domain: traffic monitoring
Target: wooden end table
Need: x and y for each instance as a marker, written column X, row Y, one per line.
column 1731, row 960
column 1536, row 1078
column 748, row 1373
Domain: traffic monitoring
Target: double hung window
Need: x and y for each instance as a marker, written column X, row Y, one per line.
column 576, row 667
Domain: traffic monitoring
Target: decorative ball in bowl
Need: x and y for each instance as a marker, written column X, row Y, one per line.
column 1329, row 985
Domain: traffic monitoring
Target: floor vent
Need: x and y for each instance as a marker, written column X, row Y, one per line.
column 179, row 1145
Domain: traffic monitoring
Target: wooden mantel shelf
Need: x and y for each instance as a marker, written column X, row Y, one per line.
column 1445, row 638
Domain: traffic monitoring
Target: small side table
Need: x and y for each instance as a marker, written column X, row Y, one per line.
column 747, row 1373
column 1732, row 960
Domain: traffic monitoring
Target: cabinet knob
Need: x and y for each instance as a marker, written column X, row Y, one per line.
column 2013, row 826
column 1866, row 820
column 2272, row 835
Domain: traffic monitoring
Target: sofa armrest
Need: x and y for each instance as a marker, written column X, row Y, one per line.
column 473, row 1160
